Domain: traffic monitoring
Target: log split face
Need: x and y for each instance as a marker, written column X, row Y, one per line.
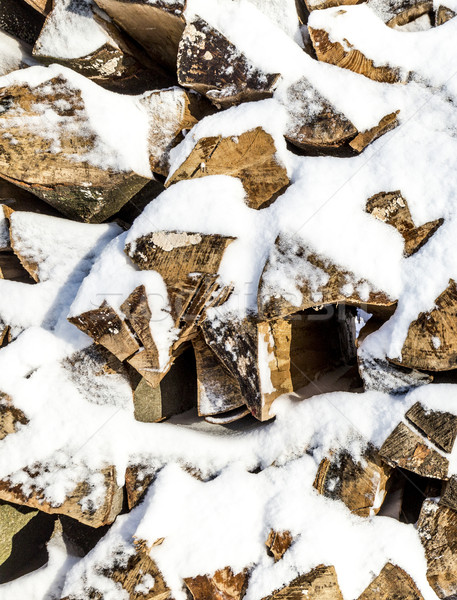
column 210, row 64
column 392, row 583
column 223, row 585
column 319, row 584
column 250, row 156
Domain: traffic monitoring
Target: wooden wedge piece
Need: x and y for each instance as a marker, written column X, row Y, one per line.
column 320, row 583
column 278, row 542
column 223, row 585
column 10, row 416
column 439, row 427
column 392, row 582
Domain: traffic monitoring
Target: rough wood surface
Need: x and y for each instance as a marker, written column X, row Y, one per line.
column 392, row 583
column 335, row 54
column 329, row 284
column 439, row 427
column 449, row 493
column 157, row 25
column 319, row 584
column 408, row 11
column 210, row 64
column 95, row 517
column 223, row 585
column 392, row 208
column 218, row 390
column 28, row 159
column 177, row 254
column 250, row 156
column 361, row 485
column 443, row 15
column 437, row 528
column 364, row 138
column 407, row 449
column 278, row 542
column 10, row 416
column 380, row 375
column 431, row 340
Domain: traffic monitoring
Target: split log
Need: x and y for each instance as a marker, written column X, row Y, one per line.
column 392, row 582
column 364, row 138
column 278, row 542
column 210, row 64
column 319, row 281
column 392, row 208
column 116, row 63
column 437, row 528
column 156, row 24
column 12, row 269
column 19, row 19
column 320, row 583
column 218, row 390
column 361, row 484
column 10, row 417
column 407, row 449
column 336, row 54
column 73, row 505
column 79, row 539
column 250, row 156
column 443, row 15
column 403, row 12
column 449, row 493
column 42, row 6
column 439, row 427
column 138, row 478
column 223, row 585
column 177, row 254
column 382, row 376
column 430, row 343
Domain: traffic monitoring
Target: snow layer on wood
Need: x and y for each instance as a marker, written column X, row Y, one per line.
column 13, row 53
column 120, row 123
column 113, row 278
column 71, row 31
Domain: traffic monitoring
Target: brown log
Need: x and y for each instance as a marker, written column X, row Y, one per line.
column 437, row 528
column 95, row 517
column 289, row 256
column 218, row 390
column 439, row 427
column 177, row 254
column 157, row 25
column 443, row 15
column 407, row 449
column 354, row 60
column 210, row 64
column 10, row 416
column 320, row 583
column 392, row 208
column 430, row 343
column 251, row 157
column 361, row 485
column 364, row 138
column 391, row 583
column 449, row 493
column 405, row 12
column 278, row 542
column 222, row 585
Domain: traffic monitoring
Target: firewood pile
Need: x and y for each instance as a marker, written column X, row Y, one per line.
column 228, row 304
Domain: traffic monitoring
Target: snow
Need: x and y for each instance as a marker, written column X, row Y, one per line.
column 14, row 53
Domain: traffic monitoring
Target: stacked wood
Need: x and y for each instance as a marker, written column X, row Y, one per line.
column 392, row 582
column 210, row 64
column 439, row 427
column 250, row 156
column 361, row 484
column 437, row 529
column 320, row 583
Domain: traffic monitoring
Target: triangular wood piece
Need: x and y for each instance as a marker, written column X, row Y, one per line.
column 443, row 15
column 210, row 64
column 319, row 584
column 392, row 208
column 439, row 427
column 437, row 528
column 449, row 493
column 360, row 484
column 407, row 449
column 391, row 583
column 250, row 156
column 10, row 417
column 223, row 585
column 381, row 375
column 278, row 542
column 431, row 340
column 364, row 138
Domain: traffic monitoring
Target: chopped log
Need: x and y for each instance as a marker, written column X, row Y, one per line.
column 392, row 208
column 224, row 584
column 430, row 343
column 364, row 138
column 407, row 449
column 437, row 528
column 380, row 375
column 19, row 19
column 392, row 582
column 250, row 156
column 449, row 493
column 218, row 390
column 278, row 542
column 320, row 583
column 439, row 427
column 210, row 64
column 443, row 15
column 72, row 505
column 352, row 59
column 156, row 24
column 12, row 269
column 106, row 328
column 177, row 254
column 330, row 284
column 407, row 12
column 138, row 478
column 10, row 417
column 79, row 539
column 175, row 394
column 360, row 484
